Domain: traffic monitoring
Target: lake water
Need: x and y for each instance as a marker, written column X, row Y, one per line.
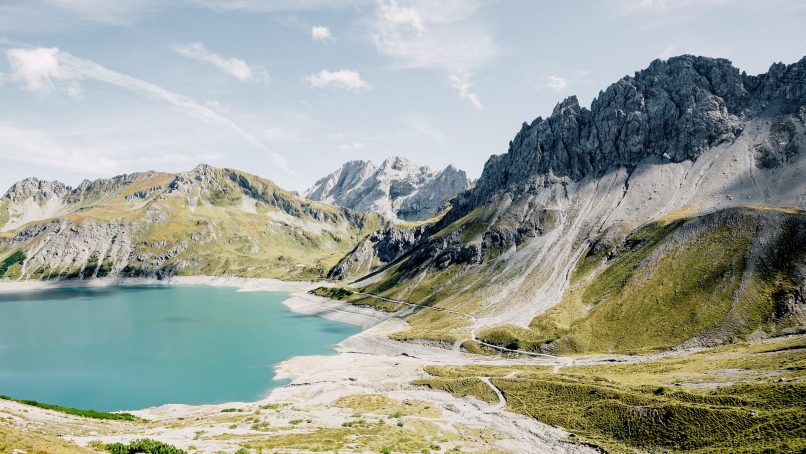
column 120, row 348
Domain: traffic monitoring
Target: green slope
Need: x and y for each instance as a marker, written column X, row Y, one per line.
column 739, row 398
column 205, row 222
column 702, row 281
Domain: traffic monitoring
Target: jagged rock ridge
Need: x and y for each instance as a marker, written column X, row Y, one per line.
column 673, row 110
column 397, row 189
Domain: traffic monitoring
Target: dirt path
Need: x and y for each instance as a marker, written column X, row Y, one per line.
column 502, row 402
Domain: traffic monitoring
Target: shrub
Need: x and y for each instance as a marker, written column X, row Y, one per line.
column 144, row 446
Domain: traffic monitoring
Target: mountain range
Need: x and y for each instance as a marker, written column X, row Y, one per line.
column 668, row 214
column 206, row 221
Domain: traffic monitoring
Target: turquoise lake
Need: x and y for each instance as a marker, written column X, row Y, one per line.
column 125, row 348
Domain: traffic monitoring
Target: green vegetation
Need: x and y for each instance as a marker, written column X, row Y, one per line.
column 716, row 278
column 461, row 387
column 382, row 405
column 349, row 296
column 232, row 224
column 12, row 439
column 16, row 258
column 477, row 349
column 740, row 398
column 74, row 411
column 143, row 446
column 354, row 438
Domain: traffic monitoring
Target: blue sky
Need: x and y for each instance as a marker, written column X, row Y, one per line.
column 289, row 90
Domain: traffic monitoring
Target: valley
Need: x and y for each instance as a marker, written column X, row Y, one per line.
column 626, row 277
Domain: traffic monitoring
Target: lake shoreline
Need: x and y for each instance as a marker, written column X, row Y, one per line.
column 368, row 363
column 299, row 301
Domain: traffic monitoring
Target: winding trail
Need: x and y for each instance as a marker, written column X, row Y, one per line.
column 502, row 402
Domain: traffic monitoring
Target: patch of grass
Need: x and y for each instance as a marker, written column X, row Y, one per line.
column 435, row 325
column 382, row 405
column 511, row 336
column 336, row 293
column 4, row 215
column 362, row 439
column 74, row 411
column 14, row 439
column 353, row 297
column 460, row 387
column 261, row 426
column 15, row 258
column 700, row 402
column 477, row 349
column 142, row 446
column 758, row 416
column 483, row 371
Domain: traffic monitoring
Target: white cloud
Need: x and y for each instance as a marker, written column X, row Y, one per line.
column 91, row 158
column 343, row 78
column 235, row 67
column 463, row 85
column 43, row 69
column 448, row 36
column 556, row 83
column 322, row 33
column 37, row 68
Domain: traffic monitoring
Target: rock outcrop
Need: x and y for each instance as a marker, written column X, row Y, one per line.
column 398, row 189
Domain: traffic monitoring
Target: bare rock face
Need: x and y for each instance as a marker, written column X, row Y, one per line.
column 673, row 110
column 40, row 190
column 397, row 189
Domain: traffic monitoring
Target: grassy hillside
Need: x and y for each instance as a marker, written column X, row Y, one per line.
column 207, row 221
column 699, row 281
column 741, row 398
column 704, row 280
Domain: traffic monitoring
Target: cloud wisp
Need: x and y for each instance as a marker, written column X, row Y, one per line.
column 98, row 157
column 343, row 78
column 45, row 69
column 322, row 34
column 447, row 36
column 234, row 67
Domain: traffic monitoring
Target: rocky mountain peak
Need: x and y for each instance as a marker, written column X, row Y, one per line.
column 674, row 110
column 402, row 164
column 398, row 188
column 37, row 189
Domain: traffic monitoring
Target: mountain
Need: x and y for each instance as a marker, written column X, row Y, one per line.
column 398, row 189
column 205, row 221
column 670, row 213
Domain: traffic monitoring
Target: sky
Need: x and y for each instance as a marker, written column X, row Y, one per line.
column 290, row 90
